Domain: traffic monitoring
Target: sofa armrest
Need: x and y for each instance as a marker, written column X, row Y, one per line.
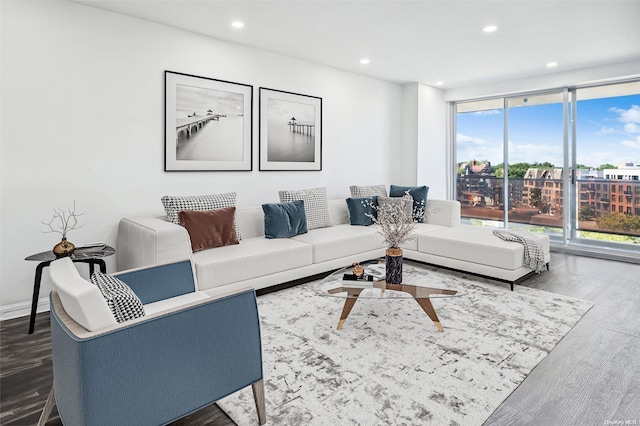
column 443, row 212
column 146, row 241
column 156, row 369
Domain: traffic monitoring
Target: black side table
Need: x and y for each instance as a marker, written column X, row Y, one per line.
column 93, row 256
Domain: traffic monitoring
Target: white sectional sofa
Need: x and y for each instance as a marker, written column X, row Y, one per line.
column 259, row 262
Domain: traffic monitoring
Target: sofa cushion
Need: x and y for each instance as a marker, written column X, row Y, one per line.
column 316, row 205
column 419, row 194
column 475, row 244
column 367, row 191
column 282, row 220
column 174, row 204
column 421, row 228
column 210, row 228
column 122, row 301
column 361, row 210
column 252, row 258
column 340, row 241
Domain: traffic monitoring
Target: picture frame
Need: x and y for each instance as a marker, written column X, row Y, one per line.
column 290, row 131
column 208, row 124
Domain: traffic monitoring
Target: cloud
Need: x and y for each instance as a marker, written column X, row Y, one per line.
column 469, row 140
column 469, row 148
column 606, row 131
column 630, row 117
column 488, row 112
column 529, row 153
column 631, row 128
column 631, row 144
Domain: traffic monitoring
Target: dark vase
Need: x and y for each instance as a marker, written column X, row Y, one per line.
column 64, row 248
column 393, row 263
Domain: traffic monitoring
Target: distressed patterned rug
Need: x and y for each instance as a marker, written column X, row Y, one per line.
column 389, row 365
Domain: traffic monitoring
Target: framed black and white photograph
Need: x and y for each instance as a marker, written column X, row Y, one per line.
column 207, row 124
column 290, row 131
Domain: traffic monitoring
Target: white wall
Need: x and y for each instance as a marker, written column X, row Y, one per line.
column 410, row 133
column 424, row 139
column 82, row 118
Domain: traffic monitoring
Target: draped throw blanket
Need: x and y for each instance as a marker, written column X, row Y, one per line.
column 533, row 251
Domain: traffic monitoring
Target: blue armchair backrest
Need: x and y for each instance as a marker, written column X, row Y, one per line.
column 161, row 281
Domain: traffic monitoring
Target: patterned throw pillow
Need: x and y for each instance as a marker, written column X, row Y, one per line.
column 316, row 205
column 368, row 191
column 122, row 301
column 173, row 205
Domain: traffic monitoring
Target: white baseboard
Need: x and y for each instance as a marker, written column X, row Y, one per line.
column 22, row 309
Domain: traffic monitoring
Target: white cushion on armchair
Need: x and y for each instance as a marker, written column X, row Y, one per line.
column 82, row 300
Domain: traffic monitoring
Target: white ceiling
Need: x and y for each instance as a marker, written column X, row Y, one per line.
column 415, row 41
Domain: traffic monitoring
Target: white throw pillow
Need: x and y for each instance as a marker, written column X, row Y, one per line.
column 368, row 191
column 316, row 205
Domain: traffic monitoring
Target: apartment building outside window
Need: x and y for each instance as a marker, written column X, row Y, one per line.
column 564, row 162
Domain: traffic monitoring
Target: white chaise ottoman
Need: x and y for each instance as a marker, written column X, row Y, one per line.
column 475, row 249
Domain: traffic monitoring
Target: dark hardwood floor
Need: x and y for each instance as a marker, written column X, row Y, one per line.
column 591, row 378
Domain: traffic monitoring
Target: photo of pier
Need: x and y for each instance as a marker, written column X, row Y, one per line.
column 290, row 131
column 291, row 134
column 209, row 124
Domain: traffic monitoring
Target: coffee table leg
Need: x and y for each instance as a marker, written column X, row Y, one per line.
column 351, row 300
column 426, row 305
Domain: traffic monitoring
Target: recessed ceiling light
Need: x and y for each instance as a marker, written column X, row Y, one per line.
column 490, row 28
column 552, row 64
column 439, row 83
column 237, row 24
column 365, row 61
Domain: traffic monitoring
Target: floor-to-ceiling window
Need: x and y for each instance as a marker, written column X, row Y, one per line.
column 479, row 144
column 607, row 147
column 564, row 162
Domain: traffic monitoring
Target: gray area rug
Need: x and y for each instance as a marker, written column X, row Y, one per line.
column 389, row 365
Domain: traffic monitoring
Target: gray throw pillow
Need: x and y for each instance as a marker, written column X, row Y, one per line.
column 405, row 202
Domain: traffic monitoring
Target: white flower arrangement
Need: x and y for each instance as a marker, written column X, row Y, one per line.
column 397, row 220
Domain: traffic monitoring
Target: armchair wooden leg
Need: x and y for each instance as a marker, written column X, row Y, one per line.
column 48, row 407
column 258, row 396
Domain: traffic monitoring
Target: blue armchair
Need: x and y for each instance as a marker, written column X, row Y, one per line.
column 154, row 369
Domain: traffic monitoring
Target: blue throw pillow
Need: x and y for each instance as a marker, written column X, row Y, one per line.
column 419, row 194
column 282, row 220
column 359, row 208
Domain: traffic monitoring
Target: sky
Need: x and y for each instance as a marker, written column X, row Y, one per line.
column 282, row 111
column 608, row 131
column 190, row 99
